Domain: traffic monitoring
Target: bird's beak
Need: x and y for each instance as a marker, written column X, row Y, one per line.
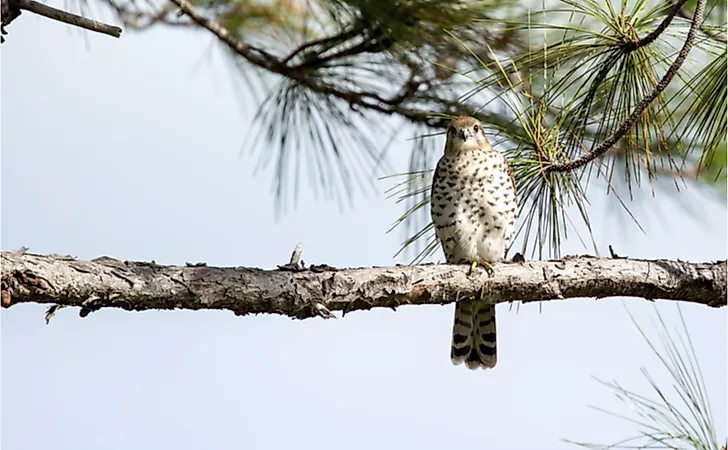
column 464, row 134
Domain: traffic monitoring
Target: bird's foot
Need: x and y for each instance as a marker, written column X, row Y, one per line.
column 486, row 265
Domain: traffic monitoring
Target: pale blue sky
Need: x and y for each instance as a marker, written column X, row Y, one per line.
column 131, row 148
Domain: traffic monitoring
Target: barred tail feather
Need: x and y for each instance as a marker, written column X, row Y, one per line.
column 473, row 336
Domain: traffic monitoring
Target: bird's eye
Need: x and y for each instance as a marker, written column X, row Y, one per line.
column 451, row 130
column 476, row 128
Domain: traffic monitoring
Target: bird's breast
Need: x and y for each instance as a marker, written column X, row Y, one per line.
column 474, row 207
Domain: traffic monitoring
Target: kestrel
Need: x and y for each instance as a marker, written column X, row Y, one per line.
column 474, row 209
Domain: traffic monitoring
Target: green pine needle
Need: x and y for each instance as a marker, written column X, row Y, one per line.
column 677, row 418
column 571, row 88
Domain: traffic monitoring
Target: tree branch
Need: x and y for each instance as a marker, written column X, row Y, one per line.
column 715, row 35
column 135, row 16
column 304, row 75
column 640, row 108
column 650, row 38
column 136, row 286
column 61, row 16
column 9, row 11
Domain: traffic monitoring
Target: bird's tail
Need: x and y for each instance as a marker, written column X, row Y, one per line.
column 473, row 335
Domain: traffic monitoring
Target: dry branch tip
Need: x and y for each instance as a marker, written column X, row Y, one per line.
column 294, row 264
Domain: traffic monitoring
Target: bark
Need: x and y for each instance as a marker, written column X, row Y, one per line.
column 318, row 290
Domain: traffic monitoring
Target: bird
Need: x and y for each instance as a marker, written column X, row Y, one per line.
column 474, row 209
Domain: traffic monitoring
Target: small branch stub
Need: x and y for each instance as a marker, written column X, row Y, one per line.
column 295, row 263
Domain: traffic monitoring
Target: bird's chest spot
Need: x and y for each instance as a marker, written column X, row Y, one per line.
column 474, row 194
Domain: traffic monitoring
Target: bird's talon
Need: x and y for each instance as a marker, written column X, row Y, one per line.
column 486, row 265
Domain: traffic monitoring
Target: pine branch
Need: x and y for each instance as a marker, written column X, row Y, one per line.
column 303, row 73
column 318, row 290
column 640, row 108
column 716, row 36
column 15, row 7
column 140, row 17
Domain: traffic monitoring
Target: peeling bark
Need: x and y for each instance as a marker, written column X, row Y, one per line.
column 318, row 290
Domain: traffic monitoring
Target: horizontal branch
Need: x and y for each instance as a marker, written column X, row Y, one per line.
column 318, row 290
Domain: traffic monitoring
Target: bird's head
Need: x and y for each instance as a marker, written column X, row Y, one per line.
column 466, row 133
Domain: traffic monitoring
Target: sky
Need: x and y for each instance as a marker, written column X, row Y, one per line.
column 138, row 149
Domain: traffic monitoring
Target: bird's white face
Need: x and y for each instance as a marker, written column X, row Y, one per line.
column 464, row 134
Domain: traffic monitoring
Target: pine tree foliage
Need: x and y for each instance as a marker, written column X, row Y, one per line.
column 560, row 85
column 572, row 94
column 614, row 93
column 676, row 417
